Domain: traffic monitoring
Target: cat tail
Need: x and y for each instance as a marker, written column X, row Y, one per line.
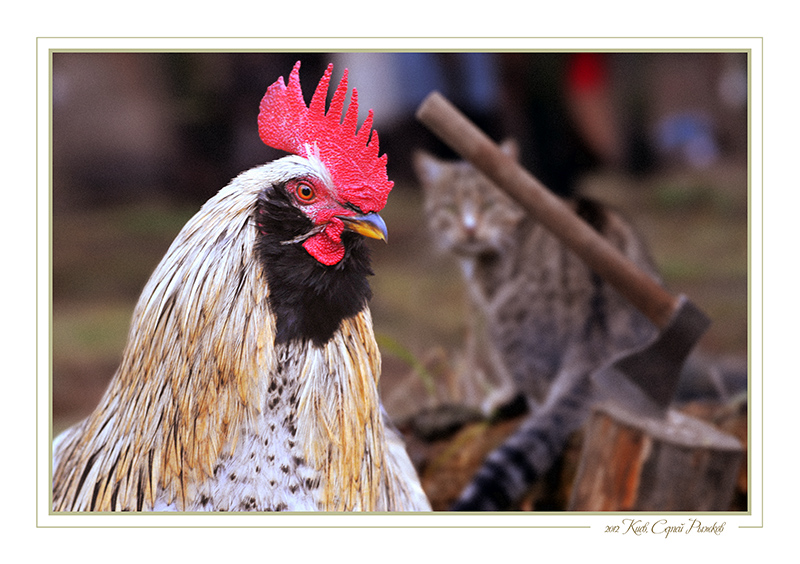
column 528, row 454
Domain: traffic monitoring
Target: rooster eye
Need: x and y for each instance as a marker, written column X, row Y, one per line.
column 305, row 192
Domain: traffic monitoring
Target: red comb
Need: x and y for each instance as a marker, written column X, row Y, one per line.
column 351, row 157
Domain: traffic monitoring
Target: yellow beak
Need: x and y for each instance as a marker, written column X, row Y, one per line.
column 369, row 225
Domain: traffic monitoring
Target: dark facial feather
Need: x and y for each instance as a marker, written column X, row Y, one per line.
column 309, row 299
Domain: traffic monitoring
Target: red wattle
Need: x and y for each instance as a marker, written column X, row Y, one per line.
column 327, row 247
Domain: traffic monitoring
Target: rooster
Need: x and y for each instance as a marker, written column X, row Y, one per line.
column 249, row 379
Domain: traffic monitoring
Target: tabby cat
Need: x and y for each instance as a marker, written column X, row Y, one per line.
column 547, row 320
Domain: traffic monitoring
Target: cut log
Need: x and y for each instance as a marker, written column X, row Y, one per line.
column 453, row 463
column 635, row 463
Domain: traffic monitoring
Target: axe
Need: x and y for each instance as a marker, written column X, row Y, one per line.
column 643, row 380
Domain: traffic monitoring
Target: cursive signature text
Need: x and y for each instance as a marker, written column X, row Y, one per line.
column 665, row 528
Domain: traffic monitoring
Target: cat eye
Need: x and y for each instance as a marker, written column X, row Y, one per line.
column 305, row 192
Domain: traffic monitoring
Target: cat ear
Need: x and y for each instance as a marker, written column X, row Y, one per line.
column 429, row 168
column 511, row 148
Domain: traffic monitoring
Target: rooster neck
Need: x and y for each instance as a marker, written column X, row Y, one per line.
column 309, row 299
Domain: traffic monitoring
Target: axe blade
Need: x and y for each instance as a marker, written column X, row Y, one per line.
column 645, row 380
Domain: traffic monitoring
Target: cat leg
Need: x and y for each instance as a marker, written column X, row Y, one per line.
column 504, row 388
column 473, row 381
column 497, row 388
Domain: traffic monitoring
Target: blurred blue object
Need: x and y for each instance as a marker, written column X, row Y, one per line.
column 690, row 135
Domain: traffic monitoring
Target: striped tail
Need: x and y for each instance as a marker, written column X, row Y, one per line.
column 527, row 455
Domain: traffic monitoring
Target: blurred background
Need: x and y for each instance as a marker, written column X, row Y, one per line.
column 141, row 140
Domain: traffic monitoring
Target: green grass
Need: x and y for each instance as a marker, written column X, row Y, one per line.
column 95, row 332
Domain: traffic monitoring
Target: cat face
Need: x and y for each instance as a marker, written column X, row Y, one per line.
column 466, row 213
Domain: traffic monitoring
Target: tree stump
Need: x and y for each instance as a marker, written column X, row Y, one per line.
column 635, row 463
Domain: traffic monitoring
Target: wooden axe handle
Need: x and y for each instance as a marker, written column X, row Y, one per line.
column 452, row 127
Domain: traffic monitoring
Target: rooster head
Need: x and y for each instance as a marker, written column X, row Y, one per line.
column 344, row 182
